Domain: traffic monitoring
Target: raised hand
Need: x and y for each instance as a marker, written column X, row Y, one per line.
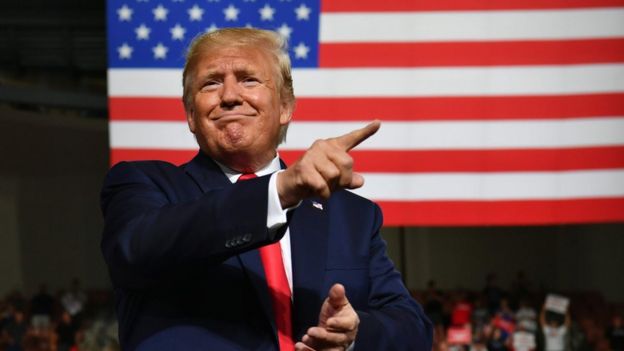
column 338, row 324
column 324, row 168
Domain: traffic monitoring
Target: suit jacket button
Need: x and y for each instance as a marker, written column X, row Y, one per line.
column 247, row 237
column 228, row 244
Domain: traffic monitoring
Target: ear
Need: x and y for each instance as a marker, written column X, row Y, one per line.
column 190, row 119
column 286, row 111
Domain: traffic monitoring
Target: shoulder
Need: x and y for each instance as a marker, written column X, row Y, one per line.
column 349, row 200
column 147, row 167
column 359, row 210
column 147, row 177
column 151, row 171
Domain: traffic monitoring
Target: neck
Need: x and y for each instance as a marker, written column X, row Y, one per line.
column 243, row 162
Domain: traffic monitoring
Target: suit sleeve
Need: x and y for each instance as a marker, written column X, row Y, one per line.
column 394, row 320
column 152, row 232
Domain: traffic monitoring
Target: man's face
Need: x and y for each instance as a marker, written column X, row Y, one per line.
column 236, row 112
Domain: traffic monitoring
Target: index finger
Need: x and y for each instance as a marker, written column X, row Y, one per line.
column 354, row 138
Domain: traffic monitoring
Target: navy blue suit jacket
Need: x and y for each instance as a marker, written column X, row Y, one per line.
column 180, row 244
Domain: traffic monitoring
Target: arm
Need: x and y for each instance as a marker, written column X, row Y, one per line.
column 394, row 320
column 152, row 231
column 391, row 319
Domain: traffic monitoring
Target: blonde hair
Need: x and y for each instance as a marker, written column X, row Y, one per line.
column 271, row 42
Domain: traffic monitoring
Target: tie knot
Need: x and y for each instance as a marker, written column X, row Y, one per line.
column 247, row 176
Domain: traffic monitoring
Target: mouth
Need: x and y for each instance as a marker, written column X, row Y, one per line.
column 231, row 116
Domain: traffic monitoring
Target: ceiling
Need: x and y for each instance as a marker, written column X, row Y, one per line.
column 53, row 54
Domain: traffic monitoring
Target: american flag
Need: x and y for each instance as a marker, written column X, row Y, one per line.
column 494, row 112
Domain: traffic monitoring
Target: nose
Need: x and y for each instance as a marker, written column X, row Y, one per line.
column 231, row 94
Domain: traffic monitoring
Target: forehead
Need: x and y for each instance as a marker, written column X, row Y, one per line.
column 237, row 58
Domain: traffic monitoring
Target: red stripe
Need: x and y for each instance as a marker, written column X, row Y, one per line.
column 402, row 161
column 435, row 160
column 146, row 108
column 458, row 5
column 471, row 53
column 459, row 108
column 402, row 109
column 466, row 213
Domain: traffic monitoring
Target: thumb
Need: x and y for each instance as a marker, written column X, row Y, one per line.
column 357, row 181
column 337, row 296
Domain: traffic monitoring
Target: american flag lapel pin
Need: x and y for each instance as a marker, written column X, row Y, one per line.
column 318, row 205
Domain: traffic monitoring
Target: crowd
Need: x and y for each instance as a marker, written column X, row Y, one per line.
column 69, row 320
column 521, row 319
column 493, row 319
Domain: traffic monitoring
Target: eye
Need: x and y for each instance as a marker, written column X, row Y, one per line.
column 250, row 81
column 210, row 85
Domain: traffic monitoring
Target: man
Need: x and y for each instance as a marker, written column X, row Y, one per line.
column 191, row 249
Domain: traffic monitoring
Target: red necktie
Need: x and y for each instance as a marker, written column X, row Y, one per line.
column 271, row 256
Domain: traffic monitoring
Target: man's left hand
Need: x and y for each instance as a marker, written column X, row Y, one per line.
column 338, row 324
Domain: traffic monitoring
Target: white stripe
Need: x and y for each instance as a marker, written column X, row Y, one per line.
column 404, row 82
column 469, row 134
column 151, row 135
column 471, row 25
column 161, row 82
column 494, row 81
column 493, row 186
column 580, row 132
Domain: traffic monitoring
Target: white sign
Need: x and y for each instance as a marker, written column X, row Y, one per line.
column 557, row 303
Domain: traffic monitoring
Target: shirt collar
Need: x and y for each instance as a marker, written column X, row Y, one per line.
column 270, row 167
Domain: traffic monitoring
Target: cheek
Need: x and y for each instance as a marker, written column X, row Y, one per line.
column 205, row 102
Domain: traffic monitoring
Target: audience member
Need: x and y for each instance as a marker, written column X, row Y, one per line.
column 66, row 332
column 526, row 316
column 493, row 293
column 15, row 330
column 41, row 306
column 73, row 300
column 615, row 333
column 555, row 333
column 520, row 288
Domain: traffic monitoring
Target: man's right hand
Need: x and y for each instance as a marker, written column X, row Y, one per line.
column 324, row 168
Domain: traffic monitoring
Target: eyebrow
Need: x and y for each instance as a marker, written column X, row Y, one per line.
column 237, row 68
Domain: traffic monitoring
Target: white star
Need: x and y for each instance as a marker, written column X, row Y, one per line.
column 231, row 13
column 160, row 13
column 303, row 12
column 285, row 30
column 212, row 28
column 177, row 32
column 301, row 51
column 160, row 51
column 248, row 25
column 125, row 51
column 195, row 13
column 142, row 32
column 266, row 13
column 124, row 13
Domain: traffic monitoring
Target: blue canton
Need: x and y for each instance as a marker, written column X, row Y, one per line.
column 155, row 34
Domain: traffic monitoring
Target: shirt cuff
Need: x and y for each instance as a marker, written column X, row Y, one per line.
column 276, row 215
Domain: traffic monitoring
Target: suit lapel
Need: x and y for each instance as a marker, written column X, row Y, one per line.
column 308, row 236
column 208, row 176
column 206, row 173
